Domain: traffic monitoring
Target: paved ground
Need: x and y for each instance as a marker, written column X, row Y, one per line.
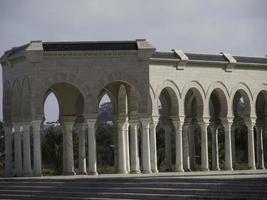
column 193, row 185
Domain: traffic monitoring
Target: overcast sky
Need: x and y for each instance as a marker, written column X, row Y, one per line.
column 235, row 26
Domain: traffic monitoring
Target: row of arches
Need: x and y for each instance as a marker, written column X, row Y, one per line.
column 198, row 122
column 208, row 112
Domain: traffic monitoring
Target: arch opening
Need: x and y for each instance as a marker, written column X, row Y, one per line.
column 261, row 129
column 193, row 106
column 62, row 103
column 241, row 110
column 218, row 109
column 123, row 102
column 165, row 137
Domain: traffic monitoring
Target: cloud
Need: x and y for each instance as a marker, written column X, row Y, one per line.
column 238, row 27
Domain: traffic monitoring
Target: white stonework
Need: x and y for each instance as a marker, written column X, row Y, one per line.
column 198, row 95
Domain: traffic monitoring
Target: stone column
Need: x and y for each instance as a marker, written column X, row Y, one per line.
column 192, row 151
column 145, row 146
column 186, row 155
column 17, row 149
column 26, row 150
column 115, row 136
column 92, row 162
column 37, row 159
column 215, row 149
column 233, row 143
column 135, row 163
column 168, row 156
column 260, row 150
column 227, row 124
column 204, row 145
column 82, row 154
column 68, row 162
column 153, row 144
column 251, row 150
column 178, row 125
column 122, row 165
column 127, row 148
column 8, row 151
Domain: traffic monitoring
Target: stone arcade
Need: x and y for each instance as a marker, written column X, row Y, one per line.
column 197, row 93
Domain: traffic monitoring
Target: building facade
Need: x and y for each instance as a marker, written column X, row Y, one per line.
column 199, row 95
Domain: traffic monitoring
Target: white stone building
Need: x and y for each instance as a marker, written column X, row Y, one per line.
column 198, row 93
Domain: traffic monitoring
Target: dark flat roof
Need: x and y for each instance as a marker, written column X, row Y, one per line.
column 90, row 46
column 132, row 45
column 210, row 57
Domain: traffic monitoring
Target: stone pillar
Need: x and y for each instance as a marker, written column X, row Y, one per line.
column 8, row 151
column 122, row 165
column 186, row 155
column 127, row 148
column 115, row 136
column 153, row 144
column 233, row 143
column 192, row 151
column 135, row 163
column 17, row 149
column 37, row 159
column 26, row 150
column 168, row 156
column 215, row 149
column 251, row 149
column 178, row 125
column 204, row 145
column 68, row 162
column 227, row 124
column 145, row 146
column 260, row 150
column 82, row 154
column 92, row 162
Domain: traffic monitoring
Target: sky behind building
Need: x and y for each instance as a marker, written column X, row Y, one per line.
column 238, row 27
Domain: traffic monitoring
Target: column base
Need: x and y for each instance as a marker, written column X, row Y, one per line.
column 252, row 168
column 216, row 169
column 187, row 170
column 135, row 172
column 122, row 172
column 68, row 173
column 28, row 174
column 82, row 173
column 8, row 174
column 92, row 173
column 37, row 174
column 147, row 172
column 155, row 171
column 179, row 170
column 229, row 169
column 260, row 167
column 205, row 169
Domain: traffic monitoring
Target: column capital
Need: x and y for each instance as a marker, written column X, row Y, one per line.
column 206, row 120
column 17, row 127
column 155, row 121
column 133, row 122
column 36, row 122
column 227, row 120
column 250, row 121
column 145, row 122
column 91, row 122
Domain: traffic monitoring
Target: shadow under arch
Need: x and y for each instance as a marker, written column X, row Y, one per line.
column 71, row 104
column 168, row 110
column 218, row 111
column 261, row 129
column 241, row 108
column 194, row 108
